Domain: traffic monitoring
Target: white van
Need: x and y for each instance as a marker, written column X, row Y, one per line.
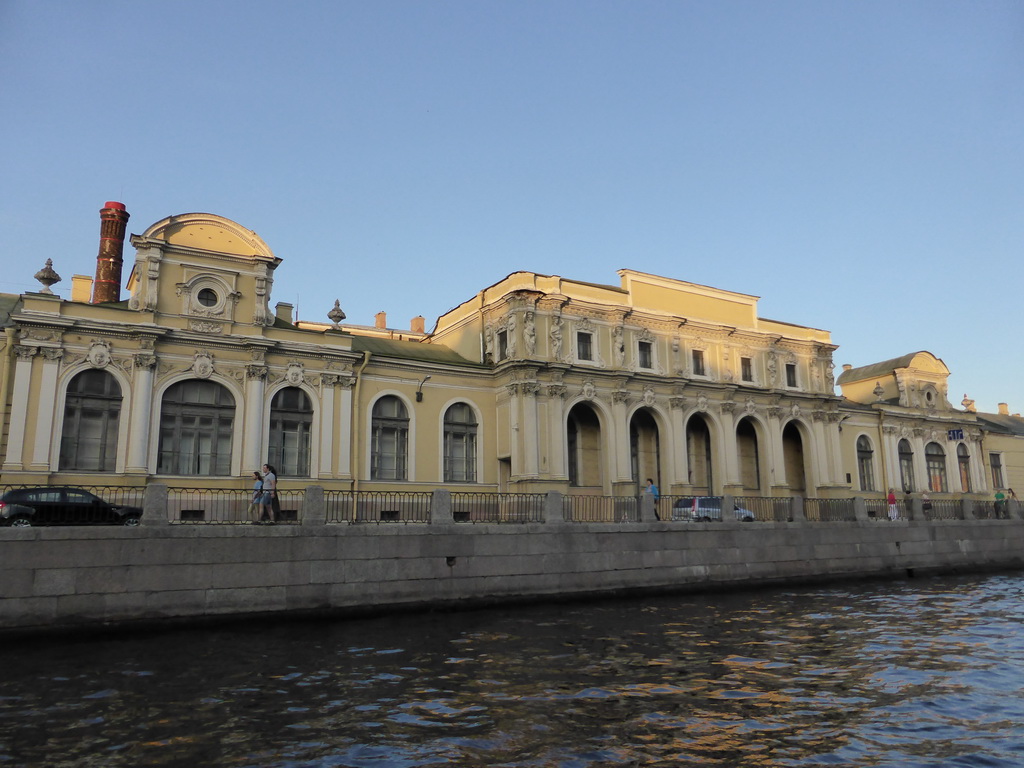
column 706, row 509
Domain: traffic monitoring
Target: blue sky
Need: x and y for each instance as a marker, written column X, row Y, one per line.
column 858, row 165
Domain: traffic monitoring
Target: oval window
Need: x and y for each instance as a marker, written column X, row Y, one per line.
column 206, row 297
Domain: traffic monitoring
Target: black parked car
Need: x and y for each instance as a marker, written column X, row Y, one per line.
column 54, row 505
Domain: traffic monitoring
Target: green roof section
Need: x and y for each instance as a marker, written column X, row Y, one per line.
column 884, row 368
column 998, row 422
column 8, row 304
column 410, row 350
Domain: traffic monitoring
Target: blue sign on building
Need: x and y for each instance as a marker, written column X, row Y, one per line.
column 955, row 434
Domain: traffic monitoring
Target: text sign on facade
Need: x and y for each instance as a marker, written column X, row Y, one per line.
column 956, row 434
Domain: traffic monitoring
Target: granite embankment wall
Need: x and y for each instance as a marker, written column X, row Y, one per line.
column 62, row 577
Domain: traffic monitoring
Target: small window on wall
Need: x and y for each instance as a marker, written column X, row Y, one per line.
column 460, row 444
column 865, row 464
column 996, row 460
column 935, row 461
column 645, row 354
column 207, row 297
column 963, row 461
column 502, row 345
column 746, row 369
column 790, row 374
column 698, row 362
column 584, row 346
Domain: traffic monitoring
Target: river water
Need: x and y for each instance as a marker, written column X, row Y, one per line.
column 925, row 672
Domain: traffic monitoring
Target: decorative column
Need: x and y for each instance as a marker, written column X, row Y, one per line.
column 556, row 431
column 776, row 450
column 343, row 467
column 680, row 471
column 530, row 434
column 144, row 367
column 619, row 438
column 731, row 459
column 19, row 407
column 891, row 454
column 47, row 399
column 328, row 381
column 252, row 444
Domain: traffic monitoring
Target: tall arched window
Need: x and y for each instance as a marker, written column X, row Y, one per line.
column 390, row 440
column 291, row 419
column 460, row 444
column 906, row 456
column 963, row 460
column 196, row 421
column 865, row 464
column 92, row 410
column 935, row 458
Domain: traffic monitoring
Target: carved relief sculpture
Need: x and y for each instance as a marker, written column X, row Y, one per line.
column 99, row 354
column 529, row 335
column 202, row 365
column 556, row 337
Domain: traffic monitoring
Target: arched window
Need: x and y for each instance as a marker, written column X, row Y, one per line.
column 963, row 460
column 460, row 444
column 291, row 418
column 196, row 421
column 390, row 440
column 92, row 410
column 865, row 463
column 906, row 456
column 935, row 459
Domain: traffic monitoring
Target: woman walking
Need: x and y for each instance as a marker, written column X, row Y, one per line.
column 269, row 491
column 256, row 505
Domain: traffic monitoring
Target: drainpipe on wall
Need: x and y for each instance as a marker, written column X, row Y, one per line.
column 885, row 462
column 354, row 452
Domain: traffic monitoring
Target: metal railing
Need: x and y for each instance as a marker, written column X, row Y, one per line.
column 377, row 506
column 767, row 509
column 498, row 507
column 601, row 509
column 229, row 506
column 829, row 510
column 944, row 509
column 232, row 506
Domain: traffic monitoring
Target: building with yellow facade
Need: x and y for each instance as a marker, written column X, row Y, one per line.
column 536, row 383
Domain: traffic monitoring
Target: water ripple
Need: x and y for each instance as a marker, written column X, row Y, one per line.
column 919, row 673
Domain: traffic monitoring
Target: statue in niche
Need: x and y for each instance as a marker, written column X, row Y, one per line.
column 529, row 335
column 488, row 343
column 556, row 338
column 772, row 369
column 618, row 346
column 510, row 344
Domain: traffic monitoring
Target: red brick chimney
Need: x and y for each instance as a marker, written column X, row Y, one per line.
column 113, row 221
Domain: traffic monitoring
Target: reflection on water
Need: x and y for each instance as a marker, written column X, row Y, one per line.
column 919, row 673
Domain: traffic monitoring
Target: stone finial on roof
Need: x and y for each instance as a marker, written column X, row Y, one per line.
column 878, row 392
column 336, row 315
column 47, row 276
column 968, row 404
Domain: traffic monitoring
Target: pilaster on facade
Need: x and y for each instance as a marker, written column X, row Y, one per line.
column 143, row 377
column 20, row 398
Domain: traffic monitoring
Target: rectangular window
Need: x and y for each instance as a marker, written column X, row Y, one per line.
column 996, row 460
column 645, row 354
column 698, row 362
column 746, row 369
column 502, row 345
column 790, row 374
column 584, row 346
